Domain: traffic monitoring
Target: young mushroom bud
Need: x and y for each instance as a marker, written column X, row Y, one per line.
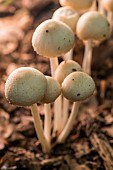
column 92, row 26
column 79, row 5
column 76, row 86
column 26, row 86
column 53, row 90
column 65, row 68
column 67, row 15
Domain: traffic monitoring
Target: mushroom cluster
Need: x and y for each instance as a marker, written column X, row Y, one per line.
column 61, row 93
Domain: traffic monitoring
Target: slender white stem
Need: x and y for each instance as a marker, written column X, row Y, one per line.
column 65, row 112
column 110, row 19
column 72, row 119
column 39, row 129
column 100, row 8
column 58, row 115
column 58, row 102
column 47, row 122
column 86, row 65
column 68, row 55
column 53, row 65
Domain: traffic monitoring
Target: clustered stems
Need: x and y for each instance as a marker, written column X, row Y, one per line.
column 86, row 65
column 72, row 119
column 39, row 129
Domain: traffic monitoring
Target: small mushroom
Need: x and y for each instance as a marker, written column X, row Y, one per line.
column 91, row 26
column 62, row 71
column 65, row 68
column 53, row 90
column 79, row 5
column 26, row 86
column 67, row 15
column 76, row 86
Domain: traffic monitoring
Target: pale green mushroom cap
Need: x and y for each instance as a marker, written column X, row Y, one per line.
column 65, row 68
column 78, row 86
column 108, row 5
column 53, row 90
column 67, row 15
column 25, row 86
column 93, row 26
column 79, row 5
column 53, row 38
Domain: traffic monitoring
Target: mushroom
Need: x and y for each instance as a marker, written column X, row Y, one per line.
column 67, row 15
column 52, row 92
column 92, row 26
column 62, row 71
column 26, row 86
column 65, row 68
column 70, row 17
column 79, row 5
column 51, row 39
column 76, row 86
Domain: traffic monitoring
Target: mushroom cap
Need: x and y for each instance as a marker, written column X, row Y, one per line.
column 25, row 86
column 92, row 25
column 53, row 90
column 53, row 38
column 79, row 5
column 65, row 68
column 78, row 86
column 67, row 15
column 108, row 5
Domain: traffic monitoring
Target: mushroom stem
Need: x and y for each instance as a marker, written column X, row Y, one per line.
column 58, row 102
column 68, row 55
column 58, row 115
column 53, row 65
column 39, row 129
column 110, row 19
column 87, row 57
column 64, row 134
column 47, row 122
column 65, row 112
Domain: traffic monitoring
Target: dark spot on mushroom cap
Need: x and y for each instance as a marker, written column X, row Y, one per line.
column 104, row 35
column 78, row 94
column 47, row 30
column 72, row 79
column 73, row 69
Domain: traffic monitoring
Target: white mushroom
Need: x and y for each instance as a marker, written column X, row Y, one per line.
column 92, row 26
column 76, row 86
column 52, row 92
column 26, row 86
column 67, row 15
column 65, row 68
column 51, row 39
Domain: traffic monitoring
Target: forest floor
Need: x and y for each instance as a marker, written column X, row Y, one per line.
column 90, row 145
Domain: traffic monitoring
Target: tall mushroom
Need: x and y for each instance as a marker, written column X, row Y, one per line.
column 26, row 86
column 91, row 26
column 70, row 17
column 76, row 86
column 51, row 39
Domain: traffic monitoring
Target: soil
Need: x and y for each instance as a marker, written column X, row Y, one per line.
column 90, row 144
